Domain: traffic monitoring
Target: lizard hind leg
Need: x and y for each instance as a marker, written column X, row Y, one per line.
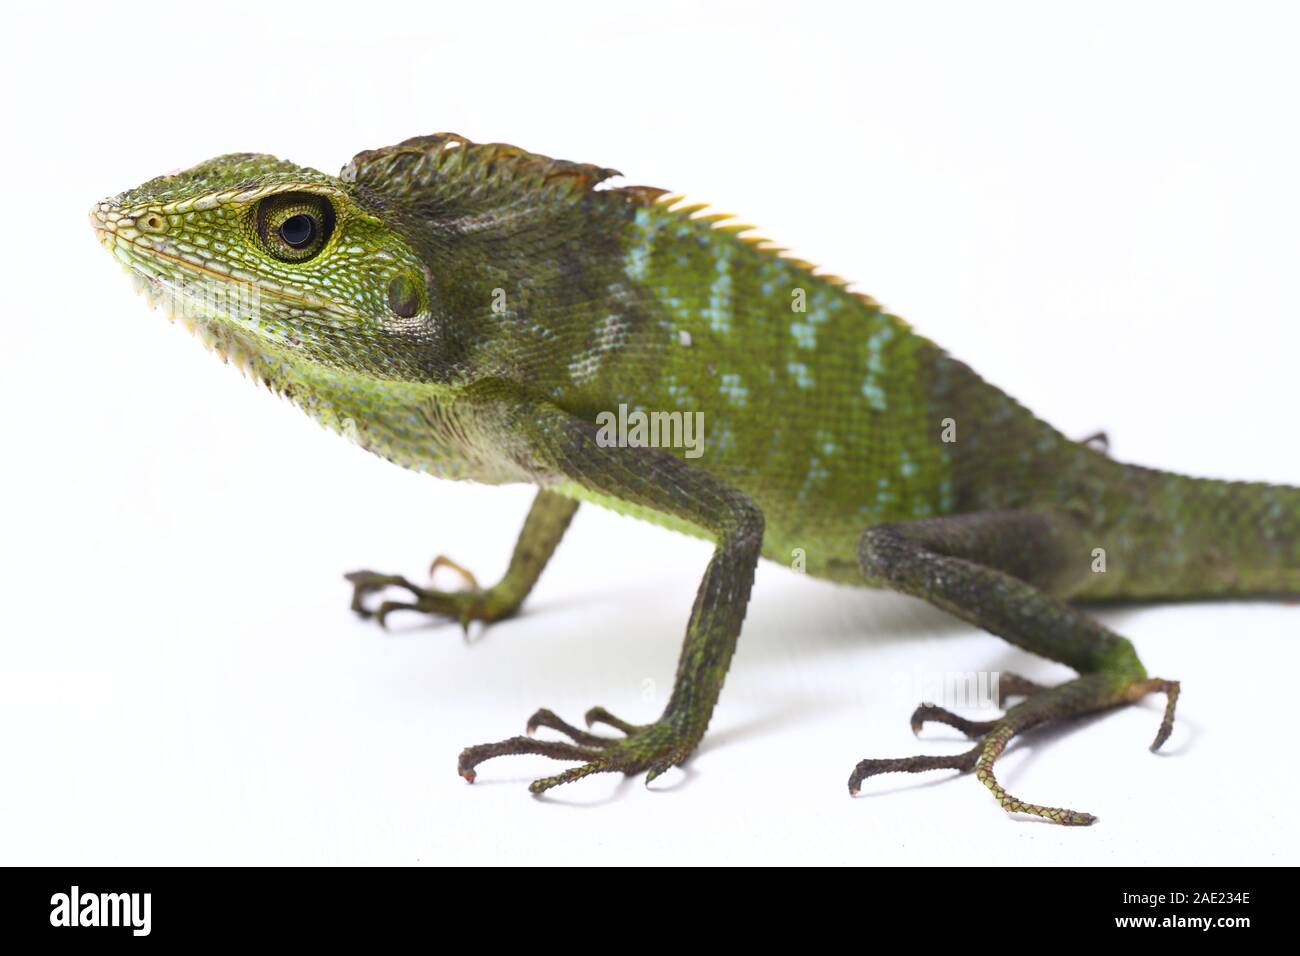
column 999, row 570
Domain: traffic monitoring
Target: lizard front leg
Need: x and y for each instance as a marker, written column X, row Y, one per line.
column 567, row 449
column 543, row 528
column 999, row 570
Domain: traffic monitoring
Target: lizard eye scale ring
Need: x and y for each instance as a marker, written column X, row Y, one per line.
column 294, row 227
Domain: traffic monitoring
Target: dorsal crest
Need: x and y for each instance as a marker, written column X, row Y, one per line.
column 447, row 177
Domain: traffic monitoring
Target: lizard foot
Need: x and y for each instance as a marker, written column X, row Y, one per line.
column 1042, row 705
column 652, row 748
column 463, row 606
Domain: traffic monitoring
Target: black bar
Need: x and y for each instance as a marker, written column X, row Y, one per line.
column 211, row 905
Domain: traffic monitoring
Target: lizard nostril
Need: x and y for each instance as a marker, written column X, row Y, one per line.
column 99, row 221
column 152, row 222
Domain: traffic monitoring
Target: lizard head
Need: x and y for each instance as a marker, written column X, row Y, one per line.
column 271, row 262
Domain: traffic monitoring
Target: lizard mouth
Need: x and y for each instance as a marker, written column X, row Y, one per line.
column 184, row 290
column 154, row 255
column 224, row 308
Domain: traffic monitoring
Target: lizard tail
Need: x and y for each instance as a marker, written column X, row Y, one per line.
column 1182, row 537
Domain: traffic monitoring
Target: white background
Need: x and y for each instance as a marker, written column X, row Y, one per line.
column 1096, row 205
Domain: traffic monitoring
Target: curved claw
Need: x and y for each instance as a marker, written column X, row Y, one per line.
column 661, row 768
column 471, row 757
column 442, row 561
column 871, row 768
column 548, row 718
column 1013, row 685
column 599, row 715
column 1042, row 705
column 370, row 582
column 992, row 748
column 388, row 607
column 938, row 715
column 568, row 776
column 1171, row 689
column 652, row 748
column 460, row 606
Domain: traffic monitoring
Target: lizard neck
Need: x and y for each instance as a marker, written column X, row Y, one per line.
column 418, row 425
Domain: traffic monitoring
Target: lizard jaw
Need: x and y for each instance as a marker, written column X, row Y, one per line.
column 116, row 232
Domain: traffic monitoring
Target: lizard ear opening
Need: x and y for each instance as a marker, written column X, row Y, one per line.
column 404, row 297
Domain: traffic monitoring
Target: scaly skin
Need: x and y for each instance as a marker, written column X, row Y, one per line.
column 473, row 310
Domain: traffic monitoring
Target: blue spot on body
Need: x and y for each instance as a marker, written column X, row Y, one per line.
column 805, row 334
column 734, row 391
column 720, row 293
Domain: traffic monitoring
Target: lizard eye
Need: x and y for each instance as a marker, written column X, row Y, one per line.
column 298, row 230
column 294, row 227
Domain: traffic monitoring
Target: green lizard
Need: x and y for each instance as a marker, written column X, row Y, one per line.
column 479, row 312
